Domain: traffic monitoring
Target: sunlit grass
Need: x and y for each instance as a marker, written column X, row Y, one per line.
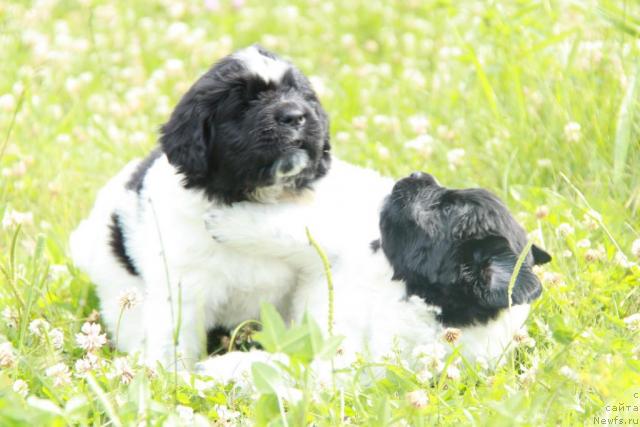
column 537, row 101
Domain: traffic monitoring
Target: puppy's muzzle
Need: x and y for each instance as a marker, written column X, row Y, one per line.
column 290, row 165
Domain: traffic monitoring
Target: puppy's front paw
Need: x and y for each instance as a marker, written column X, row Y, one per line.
column 291, row 164
column 226, row 368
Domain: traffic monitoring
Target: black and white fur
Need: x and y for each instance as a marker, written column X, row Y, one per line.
column 250, row 129
column 457, row 249
column 440, row 258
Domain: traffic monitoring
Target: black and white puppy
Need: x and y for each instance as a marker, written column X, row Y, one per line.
column 441, row 258
column 457, row 249
column 250, row 129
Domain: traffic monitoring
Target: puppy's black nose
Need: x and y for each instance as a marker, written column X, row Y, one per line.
column 291, row 115
column 417, row 175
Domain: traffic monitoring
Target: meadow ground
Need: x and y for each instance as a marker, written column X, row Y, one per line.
column 537, row 101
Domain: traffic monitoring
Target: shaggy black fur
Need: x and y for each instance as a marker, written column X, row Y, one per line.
column 457, row 249
column 231, row 128
column 117, row 245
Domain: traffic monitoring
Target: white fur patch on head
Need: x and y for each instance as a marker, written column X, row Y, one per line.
column 269, row 69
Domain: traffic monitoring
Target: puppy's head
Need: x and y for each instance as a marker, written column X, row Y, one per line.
column 457, row 249
column 250, row 128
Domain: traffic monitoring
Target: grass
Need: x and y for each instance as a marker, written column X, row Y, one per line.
column 537, row 101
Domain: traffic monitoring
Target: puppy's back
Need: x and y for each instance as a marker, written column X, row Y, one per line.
column 89, row 242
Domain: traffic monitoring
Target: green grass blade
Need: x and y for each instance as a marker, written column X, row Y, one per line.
column 104, row 400
column 624, row 128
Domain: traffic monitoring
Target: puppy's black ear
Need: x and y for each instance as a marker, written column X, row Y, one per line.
column 540, row 256
column 488, row 265
column 186, row 138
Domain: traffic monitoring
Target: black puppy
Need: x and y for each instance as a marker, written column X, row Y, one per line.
column 457, row 249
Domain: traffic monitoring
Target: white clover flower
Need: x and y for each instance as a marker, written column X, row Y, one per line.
column 419, row 124
column 123, row 370
column 633, row 322
column 12, row 217
column 371, row 46
column 382, row 120
column 528, row 376
column 635, row 248
column 544, row 163
column 94, row 316
column 415, row 76
column 583, row 243
column 225, row 414
column 423, row 142
column 569, row 373
column 60, row 374
column 10, row 317
column 7, row 103
column 57, row 271
column 551, row 278
column 348, row 40
column 56, row 337
column 359, row 122
column 424, row 375
column 522, row 338
column 319, row 86
column 91, row 338
column 129, row 298
column 542, row 212
column 174, row 67
column 435, row 350
column 587, row 334
column 177, row 31
column 453, row 373
column 21, row 387
column 72, row 85
column 19, row 169
column 572, row 132
column 176, row 9
column 86, row 77
column 203, row 386
column 88, row 363
column 7, row 355
column 213, row 5
column 451, row 335
column 39, row 327
column 134, row 98
column 342, row 136
column 455, row 157
column 383, row 151
column 589, row 222
column 565, row 229
column 445, row 133
column 418, row 398
column 592, row 255
column 63, row 138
